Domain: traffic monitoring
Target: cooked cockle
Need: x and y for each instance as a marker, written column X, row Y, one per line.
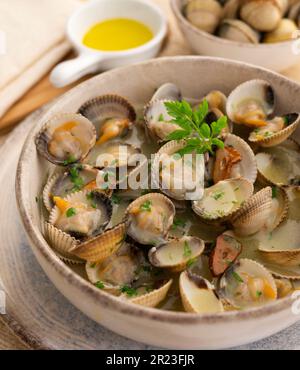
column 179, row 177
column 204, row 14
column 236, row 159
column 276, row 130
column 279, row 165
column 112, row 116
column 198, row 295
column 216, row 100
column 149, row 218
column 263, row 15
column 247, row 284
column 251, row 103
column 221, row 201
column 76, row 177
column 284, row 287
column 225, row 252
column 158, row 120
column 236, row 30
column 82, row 214
column 284, row 31
column 176, row 253
column 66, row 138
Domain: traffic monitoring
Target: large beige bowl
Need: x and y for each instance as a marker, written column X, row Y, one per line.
column 277, row 56
column 195, row 76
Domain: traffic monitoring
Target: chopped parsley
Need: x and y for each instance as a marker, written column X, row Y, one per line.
column 274, row 192
column 187, row 251
column 236, row 189
column 71, row 212
column 99, row 285
column 69, row 160
column 286, row 120
column 178, row 223
column 191, row 262
column 130, row 292
column 93, row 265
column 90, row 197
column 161, row 118
column 258, row 293
column 76, row 179
column 237, row 277
column 115, row 199
column 218, row 195
column 146, row 206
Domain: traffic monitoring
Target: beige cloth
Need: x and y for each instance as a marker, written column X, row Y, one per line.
column 35, row 41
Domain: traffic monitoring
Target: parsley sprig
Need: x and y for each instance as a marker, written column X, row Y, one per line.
column 199, row 136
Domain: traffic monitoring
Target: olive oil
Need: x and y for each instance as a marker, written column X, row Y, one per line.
column 117, row 34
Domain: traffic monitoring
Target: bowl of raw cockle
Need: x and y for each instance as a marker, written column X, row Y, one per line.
column 264, row 33
column 171, row 266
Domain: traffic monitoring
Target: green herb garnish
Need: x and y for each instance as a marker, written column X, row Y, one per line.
column 274, row 192
column 258, row 293
column 237, row 277
column 191, row 262
column 93, row 265
column 146, row 206
column 187, row 251
column 69, row 160
column 161, row 118
column 115, row 199
column 199, row 136
column 76, row 180
column 90, row 197
column 71, row 212
column 99, row 285
column 218, row 195
column 178, row 223
column 131, row 292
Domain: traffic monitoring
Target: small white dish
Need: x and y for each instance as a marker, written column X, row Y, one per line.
column 91, row 60
column 277, row 56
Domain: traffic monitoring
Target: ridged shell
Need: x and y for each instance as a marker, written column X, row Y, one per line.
column 281, row 257
column 255, row 213
column 180, row 193
column 44, row 136
column 236, row 30
column 100, row 199
column 259, row 91
column 177, row 253
column 61, row 242
column 104, row 107
column 238, row 187
column 280, row 136
column 236, row 274
column 157, row 120
column 247, row 167
column 204, row 14
column 47, row 192
column 144, row 236
column 198, row 295
column 153, row 298
column 91, row 272
column 280, row 207
column 102, row 246
column 167, row 91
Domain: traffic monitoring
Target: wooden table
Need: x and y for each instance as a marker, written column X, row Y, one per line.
column 43, row 92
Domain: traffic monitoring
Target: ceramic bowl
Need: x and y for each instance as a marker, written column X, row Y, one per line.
column 195, row 76
column 277, row 56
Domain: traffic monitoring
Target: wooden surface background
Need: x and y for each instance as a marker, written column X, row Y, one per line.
column 43, row 92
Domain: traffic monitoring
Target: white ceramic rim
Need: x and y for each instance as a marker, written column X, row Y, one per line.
column 158, row 37
column 111, row 302
column 216, row 39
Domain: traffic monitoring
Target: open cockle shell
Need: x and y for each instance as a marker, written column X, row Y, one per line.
column 158, row 120
column 167, row 91
column 255, row 213
column 279, row 165
column 251, row 103
column 102, row 246
column 197, row 294
column 62, row 184
column 189, row 182
column 176, row 253
column 269, row 139
column 153, row 298
column 66, row 137
column 280, row 207
column 221, row 201
column 246, row 167
column 102, row 108
column 93, row 199
column 149, row 218
column 247, row 284
column 62, row 243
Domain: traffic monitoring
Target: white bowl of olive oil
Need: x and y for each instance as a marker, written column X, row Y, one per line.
column 111, row 33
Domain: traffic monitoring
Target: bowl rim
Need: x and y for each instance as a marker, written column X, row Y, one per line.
column 216, row 39
column 97, row 295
